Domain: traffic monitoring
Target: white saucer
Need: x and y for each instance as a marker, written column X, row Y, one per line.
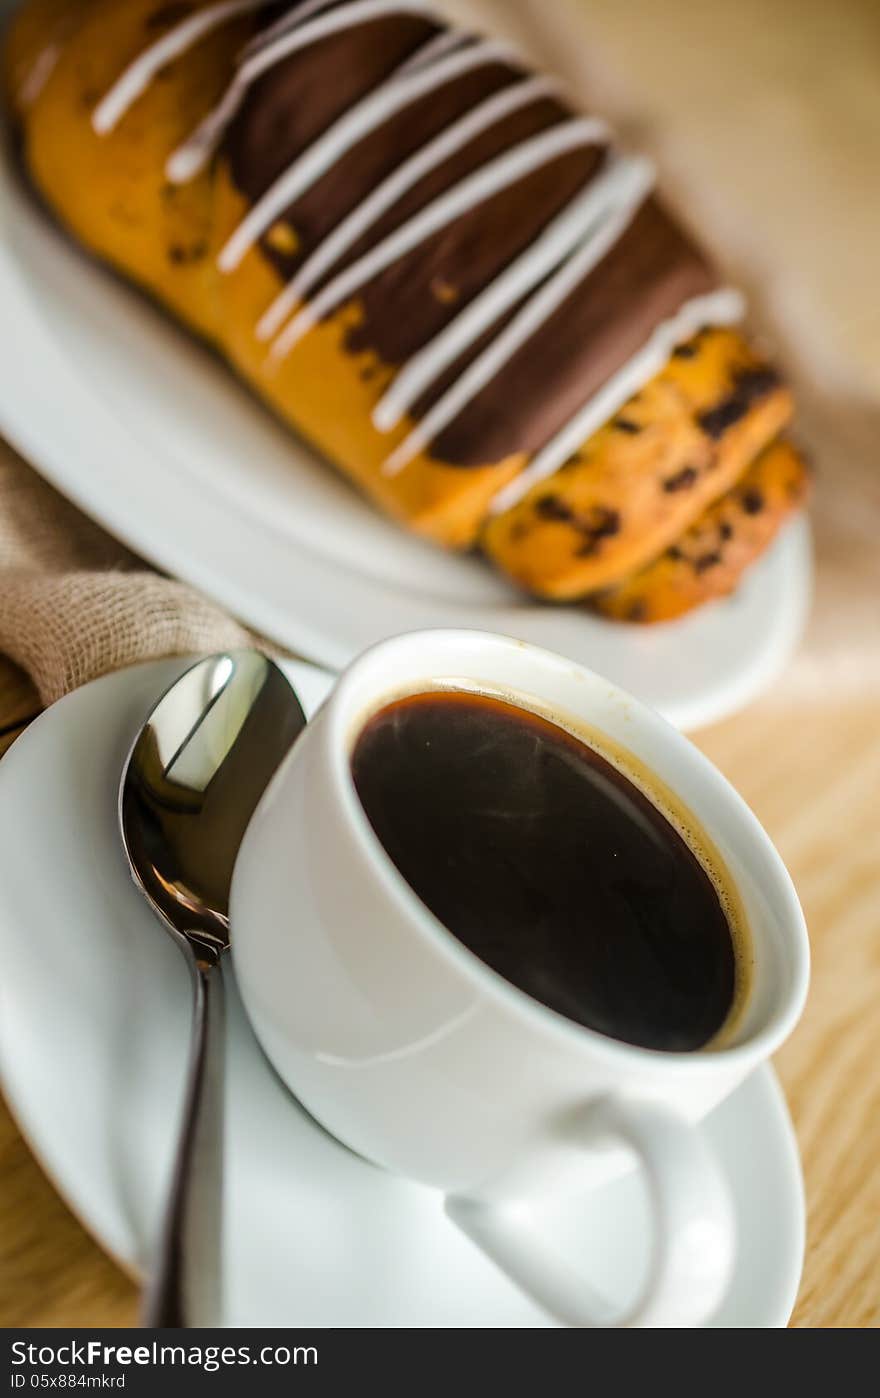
column 93, row 1035
column 150, row 435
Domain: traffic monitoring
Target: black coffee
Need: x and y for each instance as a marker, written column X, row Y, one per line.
column 550, row 865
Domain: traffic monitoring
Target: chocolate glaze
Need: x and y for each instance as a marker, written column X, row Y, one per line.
column 400, row 311
column 643, row 280
column 646, row 277
column 167, row 15
column 287, row 108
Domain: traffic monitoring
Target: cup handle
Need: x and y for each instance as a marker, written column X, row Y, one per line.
column 693, row 1243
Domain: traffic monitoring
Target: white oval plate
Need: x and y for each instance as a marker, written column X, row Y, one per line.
column 150, row 435
column 94, row 1012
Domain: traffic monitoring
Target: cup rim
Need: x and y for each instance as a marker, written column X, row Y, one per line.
column 491, row 984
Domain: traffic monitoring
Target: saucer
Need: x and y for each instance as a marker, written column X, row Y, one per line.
column 94, row 1018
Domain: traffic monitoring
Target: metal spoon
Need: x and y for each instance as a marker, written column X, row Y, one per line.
column 189, row 788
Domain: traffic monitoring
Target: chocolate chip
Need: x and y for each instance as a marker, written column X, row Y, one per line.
column 604, row 523
column 178, row 254
column 725, row 530
column 682, row 480
column 756, row 383
column 552, row 508
column 749, row 386
column 752, row 502
column 705, row 561
column 626, row 424
column 674, row 552
column 636, row 611
column 716, row 421
column 601, row 523
column 687, row 351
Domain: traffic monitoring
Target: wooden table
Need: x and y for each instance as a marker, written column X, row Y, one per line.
column 812, row 775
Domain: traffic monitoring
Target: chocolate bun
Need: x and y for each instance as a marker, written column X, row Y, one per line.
column 456, row 287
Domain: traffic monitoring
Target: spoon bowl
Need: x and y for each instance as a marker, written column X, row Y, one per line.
column 195, row 774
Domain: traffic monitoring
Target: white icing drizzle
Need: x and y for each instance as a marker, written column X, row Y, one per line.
column 190, row 158
column 365, row 116
column 386, row 194
column 722, row 307
column 39, row 74
column 624, row 189
column 622, row 180
column 559, row 241
column 502, row 172
column 549, row 270
column 137, row 77
column 298, row 15
column 435, row 48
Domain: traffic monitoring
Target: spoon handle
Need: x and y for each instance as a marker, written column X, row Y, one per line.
column 186, row 1280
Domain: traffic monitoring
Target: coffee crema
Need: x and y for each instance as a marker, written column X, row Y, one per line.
column 551, row 865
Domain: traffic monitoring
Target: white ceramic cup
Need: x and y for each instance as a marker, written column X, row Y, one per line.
column 417, row 1055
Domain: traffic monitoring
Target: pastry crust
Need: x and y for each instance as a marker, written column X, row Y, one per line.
column 609, row 510
column 709, row 559
column 645, row 476
column 112, row 194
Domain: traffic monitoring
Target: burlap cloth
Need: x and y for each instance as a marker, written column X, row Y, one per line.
column 75, row 604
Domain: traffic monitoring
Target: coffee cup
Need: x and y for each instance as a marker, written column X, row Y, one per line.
column 416, row 1054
